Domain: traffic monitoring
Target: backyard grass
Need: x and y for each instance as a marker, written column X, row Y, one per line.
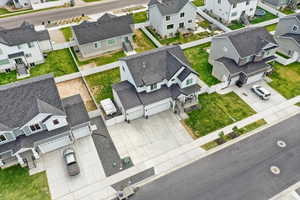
column 241, row 131
column 67, row 32
column 217, row 111
column 102, row 59
column 142, row 42
column 204, row 24
column 4, row 11
column 198, row 3
column 286, row 79
column 271, row 27
column 268, row 16
column 179, row 38
column 140, row 17
column 16, row 184
column 100, row 83
column 198, row 57
column 236, row 25
column 59, row 62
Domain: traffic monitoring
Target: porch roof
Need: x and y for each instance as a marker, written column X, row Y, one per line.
column 15, row 55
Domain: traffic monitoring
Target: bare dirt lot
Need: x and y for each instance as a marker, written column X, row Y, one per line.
column 73, row 87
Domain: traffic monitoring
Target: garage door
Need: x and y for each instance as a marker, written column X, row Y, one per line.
column 157, row 107
column 254, row 78
column 135, row 113
column 55, row 144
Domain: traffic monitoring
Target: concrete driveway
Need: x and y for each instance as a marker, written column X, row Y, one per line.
column 143, row 139
column 254, row 101
column 64, row 187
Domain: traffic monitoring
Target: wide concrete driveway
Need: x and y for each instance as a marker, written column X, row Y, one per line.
column 64, row 187
column 143, row 139
column 254, row 101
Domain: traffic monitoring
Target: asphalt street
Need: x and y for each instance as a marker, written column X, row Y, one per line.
column 239, row 172
column 64, row 13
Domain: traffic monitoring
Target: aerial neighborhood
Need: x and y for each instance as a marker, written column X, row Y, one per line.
column 152, row 99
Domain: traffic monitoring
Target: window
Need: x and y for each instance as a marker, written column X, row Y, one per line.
column 2, row 138
column 168, row 18
column 35, row 127
column 19, row 46
column 32, row 64
column 295, row 28
column 189, row 81
column 4, row 62
column 233, row 14
column 8, row 70
column 111, row 42
column 182, row 14
column 153, row 86
column 190, row 21
column 234, row 5
column 96, row 45
column 181, row 25
column 1, row 52
column 30, row 44
column 170, row 26
column 219, row 2
column 55, row 122
column 28, row 55
column 123, row 68
column 247, row 2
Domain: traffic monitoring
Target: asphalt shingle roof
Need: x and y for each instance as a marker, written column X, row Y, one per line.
column 107, row 26
column 167, row 7
column 22, row 34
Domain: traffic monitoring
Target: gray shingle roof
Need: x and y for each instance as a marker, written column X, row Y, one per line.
column 75, row 110
column 249, row 41
column 23, row 34
column 155, row 96
column 107, row 26
column 23, row 100
column 157, row 65
column 296, row 37
column 167, row 7
column 236, row 1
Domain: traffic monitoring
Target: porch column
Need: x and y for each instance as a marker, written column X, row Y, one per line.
column 1, row 163
column 20, row 160
column 35, row 154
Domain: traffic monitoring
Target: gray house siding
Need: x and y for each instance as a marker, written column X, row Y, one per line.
column 219, row 71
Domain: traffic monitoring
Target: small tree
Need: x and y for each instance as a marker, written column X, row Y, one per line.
column 221, row 139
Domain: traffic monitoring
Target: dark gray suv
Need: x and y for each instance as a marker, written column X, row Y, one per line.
column 71, row 162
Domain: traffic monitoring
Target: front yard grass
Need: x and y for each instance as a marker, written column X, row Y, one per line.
column 287, row 11
column 198, row 3
column 271, row 27
column 298, row 104
column 100, row 83
column 179, row 38
column 217, row 111
column 16, row 184
column 268, row 16
column 9, row 77
column 198, row 57
column 4, row 11
column 140, row 17
column 142, row 42
column 241, row 131
column 286, row 79
column 67, row 32
column 236, row 25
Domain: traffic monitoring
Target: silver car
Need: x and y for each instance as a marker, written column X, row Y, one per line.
column 71, row 162
column 262, row 92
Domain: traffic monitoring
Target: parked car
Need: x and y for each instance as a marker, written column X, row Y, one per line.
column 262, row 92
column 71, row 162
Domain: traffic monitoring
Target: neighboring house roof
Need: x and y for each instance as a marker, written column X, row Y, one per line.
column 22, row 34
column 157, row 65
column 107, row 26
column 250, row 68
column 75, row 110
column 249, row 41
column 167, row 7
column 296, row 37
column 23, row 100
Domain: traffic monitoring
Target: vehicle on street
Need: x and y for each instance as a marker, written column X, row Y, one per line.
column 261, row 92
column 71, row 162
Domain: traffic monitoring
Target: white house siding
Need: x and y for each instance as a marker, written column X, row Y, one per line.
column 45, row 45
column 255, row 78
column 89, row 50
column 3, row 2
column 160, row 23
column 54, row 144
column 23, row 3
column 51, row 126
column 158, row 107
column 193, row 76
column 220, row 72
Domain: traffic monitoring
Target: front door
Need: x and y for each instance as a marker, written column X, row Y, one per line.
column 19, row 61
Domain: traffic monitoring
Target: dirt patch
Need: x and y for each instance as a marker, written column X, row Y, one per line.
column 73, row 87
column 57, row 36
column 293, row 75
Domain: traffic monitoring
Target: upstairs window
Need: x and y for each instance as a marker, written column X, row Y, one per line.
column 170, row 26
column 247, row 2
column 182, row 14
column 55, row 122
column 168, row 18
column 153, row 86
column 35, row 127
column 234, row 5
column 30, row 44
column 219, row 2
column 111, row 42
column 2, row 138
column 295, row 28
column 189, row 81
column 96, row 45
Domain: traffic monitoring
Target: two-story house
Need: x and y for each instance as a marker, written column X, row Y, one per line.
column 241, row 57
column 232, row 10
column 155, row 81
column 22, row 48
column 40, row 4
column 288, row 35
column 108, row 33
column 167, row 17
column 34, row 120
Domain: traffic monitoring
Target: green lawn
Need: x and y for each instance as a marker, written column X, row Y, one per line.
column 298, row 104
column 198, row 57
column 271, row 27
column 100, row 83
column 140, row 17
column 266, row 17
column 6, row 78
column 91, row 0
column 4, row 11
column 283, row 55
column 142, row 42
column 67, row 32
column 204, row 24
column 236, row 25
column 198, row 3
column 217, row 111
column 16, row 184
column 241, row 131
column 287, row 11
column 286, row 79
column 179, row 38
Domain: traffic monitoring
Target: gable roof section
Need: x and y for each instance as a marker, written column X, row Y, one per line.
column 107, row 26
column 22, row 34
column 157, row 65
column 167, row 7
column 23, row 100
column 249, row 41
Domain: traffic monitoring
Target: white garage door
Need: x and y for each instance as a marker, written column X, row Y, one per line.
column 254, row 78
column 135, row 113
column 157, row 107
column 54, row 144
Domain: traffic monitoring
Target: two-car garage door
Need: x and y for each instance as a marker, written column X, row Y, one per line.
column 254, row 78
column 157, row 107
